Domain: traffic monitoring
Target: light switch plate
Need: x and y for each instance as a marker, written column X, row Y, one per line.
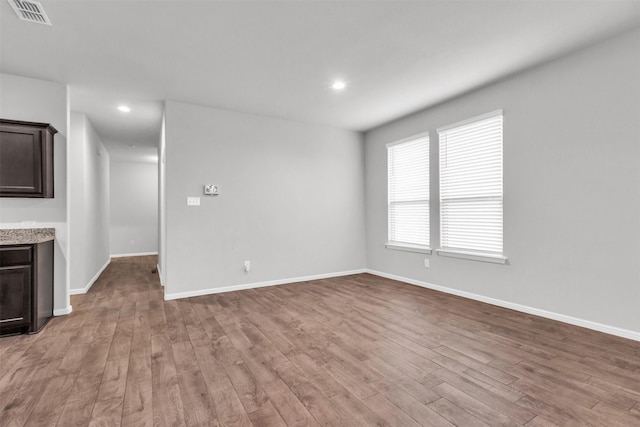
column 193, row 201
column 211, row 190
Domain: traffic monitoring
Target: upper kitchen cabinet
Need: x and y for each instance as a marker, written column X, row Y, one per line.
column 26, row 159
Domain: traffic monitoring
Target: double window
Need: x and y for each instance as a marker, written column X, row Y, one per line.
column 471, row 190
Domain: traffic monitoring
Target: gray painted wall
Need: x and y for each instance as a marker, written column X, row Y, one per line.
column 89, row 204
column 572, row 188
column 134, row 208
column 35, row 100
column 291, row 202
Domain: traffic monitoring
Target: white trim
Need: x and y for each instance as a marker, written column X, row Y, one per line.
column 474, row 256
column 612, row 330
column 160, row 274
column 471, row 120
column 408, row 247
column 91, row 282
column 422, row 135
column 241, row 287
column 133, row 254
column 63, row 311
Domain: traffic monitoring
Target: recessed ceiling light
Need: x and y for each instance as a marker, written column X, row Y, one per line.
column 124, row 108
column 338, row 85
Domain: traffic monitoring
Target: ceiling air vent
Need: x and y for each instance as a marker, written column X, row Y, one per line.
column 29, row 10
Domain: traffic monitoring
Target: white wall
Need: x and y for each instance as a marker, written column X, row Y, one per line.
column 35, row 100
column 162, row 205
column 134, row 208
column 291, row 202
column 89, row 204
column 571, row 182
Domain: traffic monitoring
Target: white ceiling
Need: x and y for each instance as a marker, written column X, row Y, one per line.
column 279, row 58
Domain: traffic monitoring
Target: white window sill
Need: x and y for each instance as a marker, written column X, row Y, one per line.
column 407, row 247
column 474, row 256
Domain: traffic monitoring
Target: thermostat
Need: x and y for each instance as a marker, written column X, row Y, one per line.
column 211, row 190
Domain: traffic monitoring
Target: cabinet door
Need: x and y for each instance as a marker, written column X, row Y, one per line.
column 15, row 297
column 21, row 150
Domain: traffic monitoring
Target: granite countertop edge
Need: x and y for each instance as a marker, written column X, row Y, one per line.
column 22, row 236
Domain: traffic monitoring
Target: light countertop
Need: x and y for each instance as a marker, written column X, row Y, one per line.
column 21, row 236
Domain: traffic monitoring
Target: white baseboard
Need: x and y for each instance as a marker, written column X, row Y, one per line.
column 160, row 275
column 133, row 254
column 63, row 311
column 612, row 330
column 91, row 282
column 259, row 284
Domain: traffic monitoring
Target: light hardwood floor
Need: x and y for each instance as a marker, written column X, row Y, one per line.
column 352, row 351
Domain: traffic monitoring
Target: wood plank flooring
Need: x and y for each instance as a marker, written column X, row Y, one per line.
column 351, row 351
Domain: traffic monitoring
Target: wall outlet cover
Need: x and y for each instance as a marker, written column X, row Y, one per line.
column 193, row 201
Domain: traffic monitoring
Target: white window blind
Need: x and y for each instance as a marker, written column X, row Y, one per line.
column 471, row 197
column 408, row 179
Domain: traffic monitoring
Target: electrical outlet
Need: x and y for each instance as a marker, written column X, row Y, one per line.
column 193, row 201
column 132, row 242
column 247, row 266
column 426, row 262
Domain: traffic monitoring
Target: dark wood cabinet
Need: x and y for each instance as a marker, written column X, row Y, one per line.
column 26, row 159
column 15, row 297
column 26, row 287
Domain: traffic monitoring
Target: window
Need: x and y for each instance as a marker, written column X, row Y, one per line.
column 408, row 175
column 471, row 198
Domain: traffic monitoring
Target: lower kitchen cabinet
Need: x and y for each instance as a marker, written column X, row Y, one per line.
column 26, row 287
